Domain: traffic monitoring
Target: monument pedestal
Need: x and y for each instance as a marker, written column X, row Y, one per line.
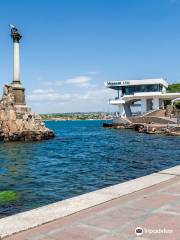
column 19, row 95
column 18, row 123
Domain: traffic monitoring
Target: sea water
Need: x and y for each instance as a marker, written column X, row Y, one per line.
column 83, row 157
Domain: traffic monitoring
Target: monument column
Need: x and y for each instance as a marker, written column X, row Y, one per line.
column 16, row 83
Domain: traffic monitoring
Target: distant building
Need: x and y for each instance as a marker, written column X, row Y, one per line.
column 151, row 93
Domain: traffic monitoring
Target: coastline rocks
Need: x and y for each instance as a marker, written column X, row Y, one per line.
column 118, row 126
column 162, row 130
column 159, row 129
column 174, row 134
column 26, row 135
column 18, row 123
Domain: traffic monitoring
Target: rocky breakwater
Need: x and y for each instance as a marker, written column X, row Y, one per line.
column 18, row 123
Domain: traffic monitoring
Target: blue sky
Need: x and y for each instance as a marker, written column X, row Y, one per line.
column 70, row 47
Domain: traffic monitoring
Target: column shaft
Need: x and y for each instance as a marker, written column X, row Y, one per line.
column 16, row 63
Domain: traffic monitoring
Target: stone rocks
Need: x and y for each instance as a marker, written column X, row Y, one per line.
column 162, row 129
column 18, row 123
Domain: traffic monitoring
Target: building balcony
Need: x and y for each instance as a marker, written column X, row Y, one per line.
column 116, row 101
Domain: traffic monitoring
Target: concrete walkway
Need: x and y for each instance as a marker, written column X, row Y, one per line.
column 156, row 209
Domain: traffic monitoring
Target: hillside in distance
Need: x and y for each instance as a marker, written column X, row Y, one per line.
column 78, row 116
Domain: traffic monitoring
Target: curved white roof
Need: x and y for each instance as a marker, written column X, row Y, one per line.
column 120, row 83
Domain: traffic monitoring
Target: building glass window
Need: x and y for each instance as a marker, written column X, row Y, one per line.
column 130, row 90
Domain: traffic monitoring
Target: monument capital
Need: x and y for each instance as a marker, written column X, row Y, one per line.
column 16, row 36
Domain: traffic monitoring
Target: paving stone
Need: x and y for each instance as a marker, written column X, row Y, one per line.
column 155, row 201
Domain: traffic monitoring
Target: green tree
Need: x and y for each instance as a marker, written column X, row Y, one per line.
column 177, row 105
column 175, row 87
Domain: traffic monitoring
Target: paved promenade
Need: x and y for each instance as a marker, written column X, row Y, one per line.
column 156, row 209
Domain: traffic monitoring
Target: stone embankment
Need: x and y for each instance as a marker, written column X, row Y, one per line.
column 154, row 122
column 18, row 123
column 163, row 129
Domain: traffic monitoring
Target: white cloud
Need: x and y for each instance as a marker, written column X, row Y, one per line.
column 78, row 80
column 43, row 91
column 90, row 100
column 82, row 81
column 73, row 94
column 101, row 94
column 55, row 96
column 52, row 95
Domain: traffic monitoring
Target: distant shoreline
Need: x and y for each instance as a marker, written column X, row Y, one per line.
column 77, row 116
column 59, row 119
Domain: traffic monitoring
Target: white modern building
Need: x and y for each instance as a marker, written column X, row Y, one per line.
column 150, row 94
